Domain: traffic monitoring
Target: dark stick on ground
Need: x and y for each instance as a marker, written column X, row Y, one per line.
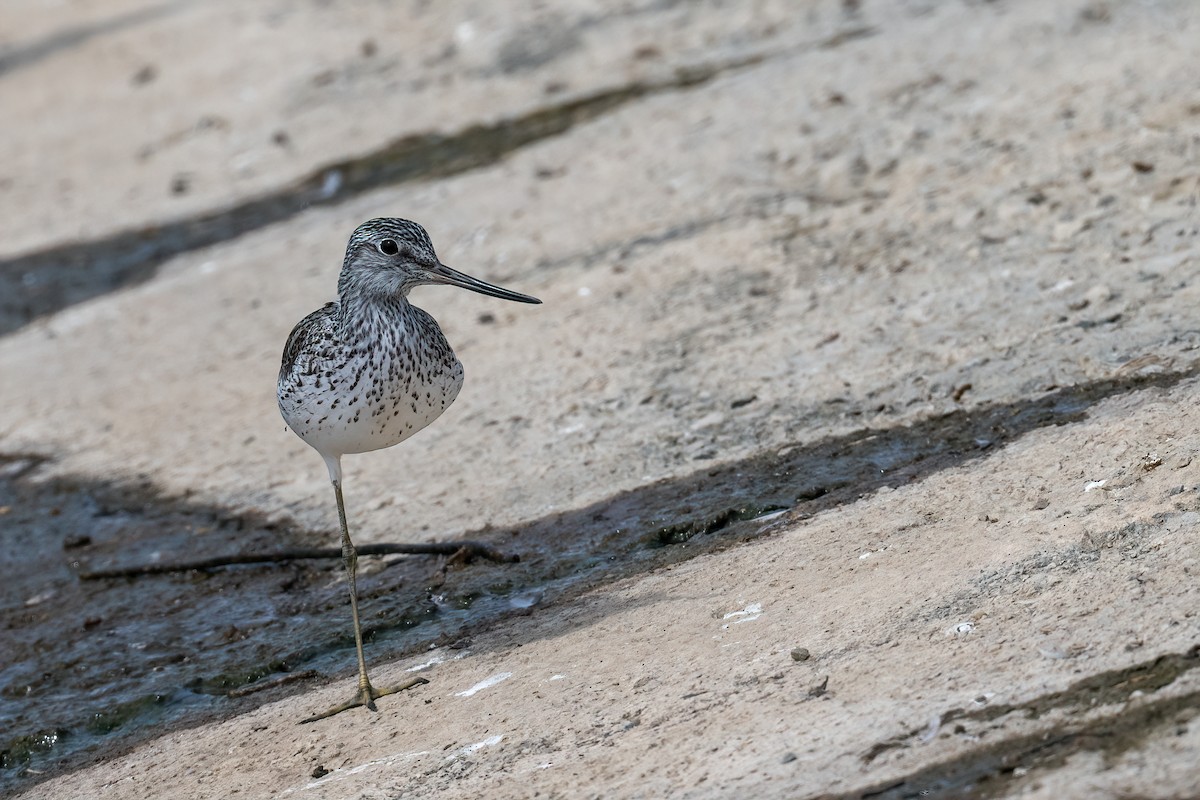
column 280, row 680
column 465, row 550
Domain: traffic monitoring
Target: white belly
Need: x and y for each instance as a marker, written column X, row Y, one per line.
column 336, row 414
column 389, row 377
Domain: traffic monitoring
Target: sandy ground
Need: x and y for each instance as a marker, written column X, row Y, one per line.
column 871, row 216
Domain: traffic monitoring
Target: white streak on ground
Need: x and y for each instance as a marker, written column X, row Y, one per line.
column 486, row 683
column 471, row 748
column 345, row 772
column 747, row 614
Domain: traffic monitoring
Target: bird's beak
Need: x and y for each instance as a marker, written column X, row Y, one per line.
column 452, row 277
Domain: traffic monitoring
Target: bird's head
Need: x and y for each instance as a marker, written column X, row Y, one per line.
column 387, row 257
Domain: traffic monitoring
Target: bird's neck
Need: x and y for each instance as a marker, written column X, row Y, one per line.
column 358, row 309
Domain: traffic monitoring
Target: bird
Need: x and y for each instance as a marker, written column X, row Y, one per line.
column 371, row 369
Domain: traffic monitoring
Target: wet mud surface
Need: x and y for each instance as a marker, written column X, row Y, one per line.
column 94, row 666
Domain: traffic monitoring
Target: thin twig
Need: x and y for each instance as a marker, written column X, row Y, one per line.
column 467, row 549
column 280, row 680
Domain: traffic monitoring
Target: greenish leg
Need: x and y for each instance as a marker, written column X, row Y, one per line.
column 367, row 694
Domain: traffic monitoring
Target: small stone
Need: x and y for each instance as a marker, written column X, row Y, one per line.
column 1096, row 11
column 73, row 542
column 800, row 654
column 319, row 772
column 1066, row 229
column 993, row 235
column 787, row 758
column 145, row 75
column 1099, row 294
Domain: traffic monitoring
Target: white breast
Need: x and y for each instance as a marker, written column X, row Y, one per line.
column 353, row 399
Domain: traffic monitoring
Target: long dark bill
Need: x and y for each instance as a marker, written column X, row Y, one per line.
column 452, row 277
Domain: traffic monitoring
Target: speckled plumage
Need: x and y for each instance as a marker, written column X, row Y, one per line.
column 360, row 376
column 371, row 369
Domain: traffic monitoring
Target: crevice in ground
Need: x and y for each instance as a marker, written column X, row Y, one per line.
column 97, row 666
column 994, row 766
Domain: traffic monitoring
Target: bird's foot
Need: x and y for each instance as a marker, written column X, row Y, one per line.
column 367, row 695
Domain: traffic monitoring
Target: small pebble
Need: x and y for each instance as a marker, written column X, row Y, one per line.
column 801, row 654
column 72, row 542
column 144, row 75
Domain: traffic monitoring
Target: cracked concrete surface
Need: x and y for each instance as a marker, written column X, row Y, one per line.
column 899, row 211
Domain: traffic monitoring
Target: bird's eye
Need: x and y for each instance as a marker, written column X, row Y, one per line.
column 389, row 247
